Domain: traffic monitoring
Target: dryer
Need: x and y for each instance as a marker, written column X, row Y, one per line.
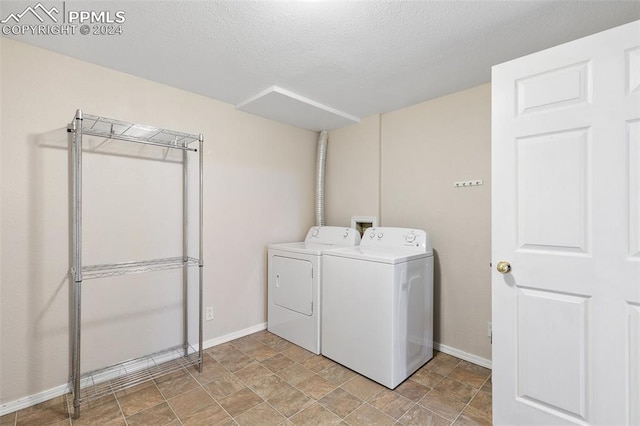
column 295, row 283
column 377, row 304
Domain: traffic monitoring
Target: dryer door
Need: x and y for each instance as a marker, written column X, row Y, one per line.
column 293, row 287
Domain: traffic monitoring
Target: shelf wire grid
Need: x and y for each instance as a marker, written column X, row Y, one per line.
column 124, row 375
column 136, row 267
column 115, row 129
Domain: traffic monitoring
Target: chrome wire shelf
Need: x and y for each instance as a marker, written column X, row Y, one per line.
column 121, row 376
column 118, row 377
column 126, row 268
column 139, row 133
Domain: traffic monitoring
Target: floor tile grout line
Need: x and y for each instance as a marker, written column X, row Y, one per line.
column 372, row 406
column 445, row 376
column 250, row 387
column 421, row 406
column 120, row 405
column 410, row 408
column 214, row 400
column 202, row 385
column 15, row 418
column 471, row 399
column 66, row 399
column 314, row 400
column 166, row 401
column 431, row 411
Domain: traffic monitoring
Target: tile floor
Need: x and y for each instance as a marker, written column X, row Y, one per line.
column 262, row 379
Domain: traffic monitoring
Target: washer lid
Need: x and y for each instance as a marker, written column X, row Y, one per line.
column 379, row 255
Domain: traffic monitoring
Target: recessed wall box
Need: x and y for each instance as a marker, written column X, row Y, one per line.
column 362, row 223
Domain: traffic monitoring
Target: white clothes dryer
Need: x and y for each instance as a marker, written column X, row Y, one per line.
column 377, row 304
column 295, row 284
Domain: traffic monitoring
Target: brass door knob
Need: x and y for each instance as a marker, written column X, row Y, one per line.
column 503, row 267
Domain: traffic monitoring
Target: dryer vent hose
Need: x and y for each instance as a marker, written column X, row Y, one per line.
column 321, row 159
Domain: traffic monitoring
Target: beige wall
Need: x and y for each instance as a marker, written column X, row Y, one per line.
column 425, row 148
column 258, row 178
column 353, row 172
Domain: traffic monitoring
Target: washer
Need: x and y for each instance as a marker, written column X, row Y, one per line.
column 377, row 304
column 295, row 284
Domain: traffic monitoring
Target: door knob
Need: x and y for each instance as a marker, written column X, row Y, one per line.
column 503, row 267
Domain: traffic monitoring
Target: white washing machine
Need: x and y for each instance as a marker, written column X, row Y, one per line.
column 295, row 284
column 377, row 304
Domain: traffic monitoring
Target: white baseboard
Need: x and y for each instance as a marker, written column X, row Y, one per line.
column 34, row 399
column 39, row 397
column 232, row 336
column 462, row 355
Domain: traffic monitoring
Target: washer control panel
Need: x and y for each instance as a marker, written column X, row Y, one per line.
column 388, row 237
column 336, row 235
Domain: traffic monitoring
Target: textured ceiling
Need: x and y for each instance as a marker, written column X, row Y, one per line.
column 357, row 57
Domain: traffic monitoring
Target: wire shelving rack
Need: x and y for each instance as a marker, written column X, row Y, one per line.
column 95, row 384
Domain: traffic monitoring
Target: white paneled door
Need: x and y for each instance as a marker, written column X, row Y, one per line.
column 566, row 233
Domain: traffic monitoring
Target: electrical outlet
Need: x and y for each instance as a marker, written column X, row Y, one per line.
column 490, row 331
column 208, row 313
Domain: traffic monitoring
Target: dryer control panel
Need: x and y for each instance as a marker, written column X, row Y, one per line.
column 336, row 235
column 389, row 237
